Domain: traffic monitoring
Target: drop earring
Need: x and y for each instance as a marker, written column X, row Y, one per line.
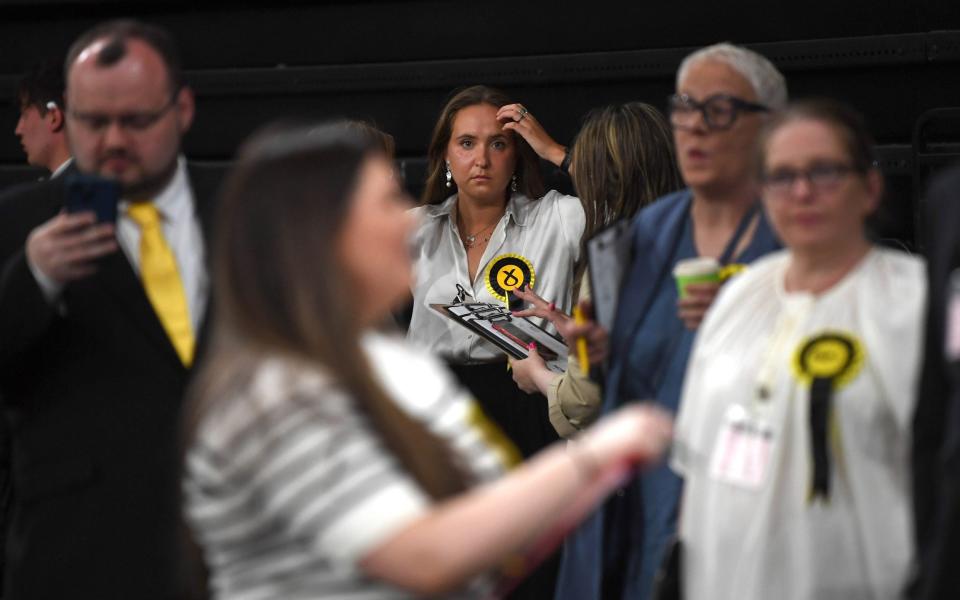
column 513, row 183
column 449, row 175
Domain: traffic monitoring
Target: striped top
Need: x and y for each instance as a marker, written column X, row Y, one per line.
column 287, row 486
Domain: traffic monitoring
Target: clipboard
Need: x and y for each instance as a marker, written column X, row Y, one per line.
column 510, row 334
column 609, row 254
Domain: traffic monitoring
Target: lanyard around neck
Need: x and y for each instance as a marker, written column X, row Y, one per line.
column 741, row 229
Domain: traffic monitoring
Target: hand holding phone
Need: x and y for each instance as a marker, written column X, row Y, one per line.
column 66, row 247
column 95, row 194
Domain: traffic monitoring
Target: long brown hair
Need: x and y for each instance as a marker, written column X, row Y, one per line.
column 529, row 178
column 280, row 290
column 622, row 160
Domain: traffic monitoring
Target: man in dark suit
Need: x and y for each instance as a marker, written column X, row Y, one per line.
column 936, row 446
column 99, row 327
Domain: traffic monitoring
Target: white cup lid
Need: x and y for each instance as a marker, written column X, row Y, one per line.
column 694, row 267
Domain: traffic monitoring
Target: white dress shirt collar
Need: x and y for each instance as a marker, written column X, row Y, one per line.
column 173, row 202
column 518, row 208
column 63, row 167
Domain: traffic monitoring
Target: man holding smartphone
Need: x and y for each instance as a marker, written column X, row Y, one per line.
column 99, row 326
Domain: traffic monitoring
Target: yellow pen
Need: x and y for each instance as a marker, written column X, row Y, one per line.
column 581, row 342
column 507, row 302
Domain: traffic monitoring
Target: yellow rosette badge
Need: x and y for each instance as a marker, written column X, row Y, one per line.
column 830, row 355
column 508, row 272
column 825, row 362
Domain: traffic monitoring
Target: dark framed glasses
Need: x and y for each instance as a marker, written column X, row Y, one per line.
column 719, row 111
column 821, row 177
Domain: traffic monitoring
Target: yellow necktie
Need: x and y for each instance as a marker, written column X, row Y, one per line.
column 161, row 280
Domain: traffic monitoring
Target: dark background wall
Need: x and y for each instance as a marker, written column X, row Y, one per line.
column 395, row 62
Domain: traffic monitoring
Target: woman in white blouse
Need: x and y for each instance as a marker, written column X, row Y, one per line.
column 486, row 227
column 794, row 428
column 327, row 461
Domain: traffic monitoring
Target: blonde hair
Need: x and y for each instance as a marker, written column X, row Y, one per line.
column 622, row 160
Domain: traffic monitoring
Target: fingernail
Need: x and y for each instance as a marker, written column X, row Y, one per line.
column 532, row 346
column 552, row 306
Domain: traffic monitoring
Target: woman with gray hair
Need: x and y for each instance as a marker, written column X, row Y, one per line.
column 724, row 94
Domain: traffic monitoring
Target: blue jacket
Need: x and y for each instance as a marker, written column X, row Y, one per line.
column 611, row 543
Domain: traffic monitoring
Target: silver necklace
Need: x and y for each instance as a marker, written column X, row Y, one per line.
column 471, row 240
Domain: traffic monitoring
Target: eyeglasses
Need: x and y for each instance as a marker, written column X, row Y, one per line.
column 133, row 121
column 822, row 177
column 719, row 111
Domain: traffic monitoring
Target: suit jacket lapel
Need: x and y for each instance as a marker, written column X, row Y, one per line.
column 654, row 244
column 651, row 254
column 119, row 279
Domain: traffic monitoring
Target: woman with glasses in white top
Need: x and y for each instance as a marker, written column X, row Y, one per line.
column 794, row 427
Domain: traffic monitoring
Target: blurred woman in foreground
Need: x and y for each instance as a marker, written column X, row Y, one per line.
column 325, row 459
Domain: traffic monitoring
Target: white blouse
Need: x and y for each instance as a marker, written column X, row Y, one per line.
column 751, row 527
column 542, row 234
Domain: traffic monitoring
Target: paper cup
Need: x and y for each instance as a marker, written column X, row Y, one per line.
column 695, row 270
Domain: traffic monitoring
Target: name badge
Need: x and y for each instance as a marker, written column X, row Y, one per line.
column 741, row 456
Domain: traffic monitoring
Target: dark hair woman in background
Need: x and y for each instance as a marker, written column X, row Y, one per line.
column 487, row 228
column 486, row 222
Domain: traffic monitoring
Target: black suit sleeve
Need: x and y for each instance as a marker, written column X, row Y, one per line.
column 936, row 396
column 25, row 315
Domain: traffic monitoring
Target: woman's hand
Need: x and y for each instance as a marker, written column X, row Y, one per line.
column 596, row 336
column 531, row 373
column 540, row 308
column 518, row 119
column 597, row 339
column 636, row 434
column 699, row 298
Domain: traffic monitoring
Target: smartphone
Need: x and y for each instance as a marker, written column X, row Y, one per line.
column 91, row 193
column 523, row 339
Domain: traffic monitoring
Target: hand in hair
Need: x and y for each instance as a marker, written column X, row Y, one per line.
column 692, row 309
column 515, row 119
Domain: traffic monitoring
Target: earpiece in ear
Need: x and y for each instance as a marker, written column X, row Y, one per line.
column 58, row 119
